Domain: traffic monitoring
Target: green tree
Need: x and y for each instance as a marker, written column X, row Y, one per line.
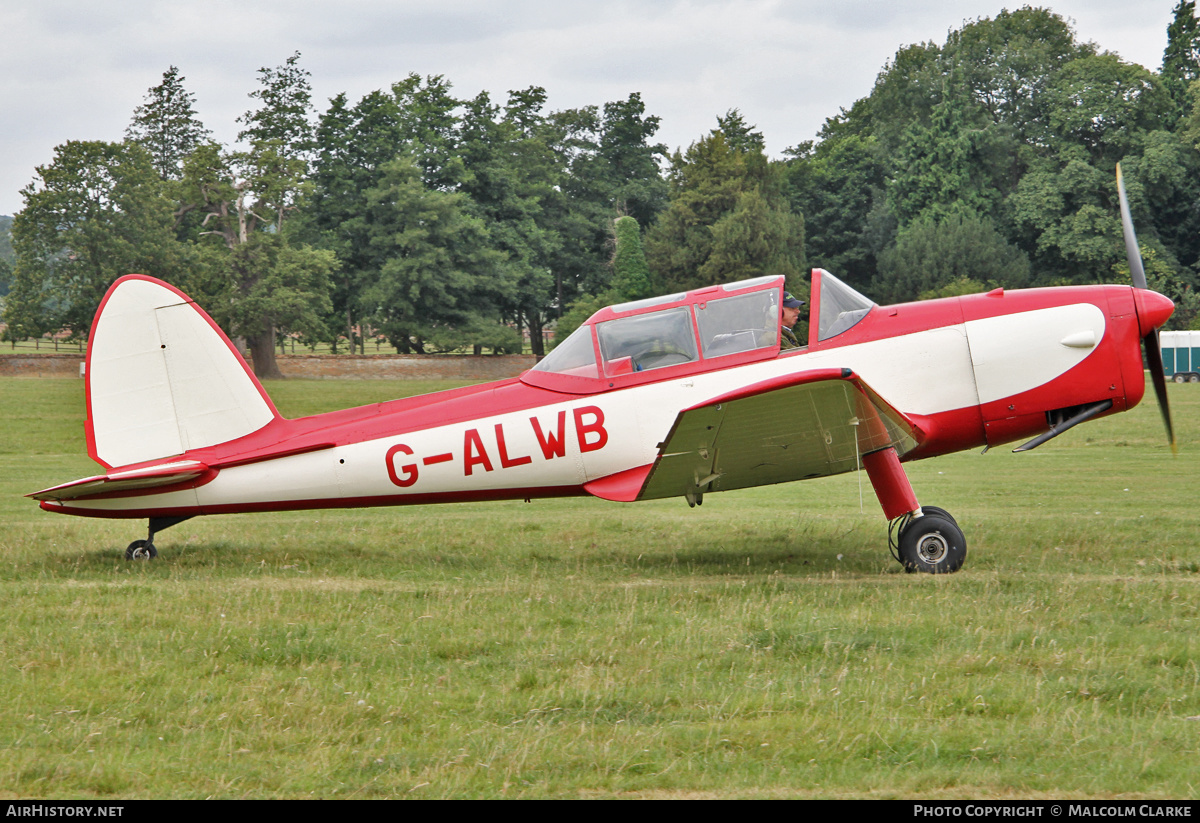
column 260, row 280
column 839, row 188
column 435, row 261
column 1106, row 106
column 512, row 177
column 5, row 276
column 280, row 135
column 6, row 248
column 1005, row 65
column 428, row 124
column 256, row 282
column 610, row 167
column 628, row 163
column 631, row 275
column 284, row 114
column 1181, row 57
column 581, row 310
column 727, row 219
column 95, row 213
column 1016, row 123
column 1165, row 178
column 905, row 91
column 166, row 125
column 353, row 145
column 945, row 165
column 939, row 255
column 1065, row 210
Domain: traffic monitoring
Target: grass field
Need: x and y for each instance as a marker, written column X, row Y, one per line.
column 762, row 645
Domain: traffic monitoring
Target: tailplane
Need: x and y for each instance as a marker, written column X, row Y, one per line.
column 162, row 378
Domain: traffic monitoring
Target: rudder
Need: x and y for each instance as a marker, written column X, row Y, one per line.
column 162, row 378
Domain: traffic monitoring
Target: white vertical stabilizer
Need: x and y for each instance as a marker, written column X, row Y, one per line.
column 162, row 378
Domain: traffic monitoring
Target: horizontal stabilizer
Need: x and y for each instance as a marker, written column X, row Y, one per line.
column 164, row 474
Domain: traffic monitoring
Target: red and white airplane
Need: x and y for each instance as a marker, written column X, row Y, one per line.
column 679, row 395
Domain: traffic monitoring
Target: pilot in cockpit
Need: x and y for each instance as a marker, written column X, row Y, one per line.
column 791, row 313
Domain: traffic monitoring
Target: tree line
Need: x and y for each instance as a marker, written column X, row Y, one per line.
column 990, row 160
column 441, row 222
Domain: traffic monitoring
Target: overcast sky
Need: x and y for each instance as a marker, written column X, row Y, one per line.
column 75, row 70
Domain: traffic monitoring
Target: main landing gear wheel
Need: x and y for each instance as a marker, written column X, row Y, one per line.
column 141, row 550
column 933, row 544
column 939, row 512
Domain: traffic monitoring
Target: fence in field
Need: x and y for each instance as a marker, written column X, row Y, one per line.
column 318, row 367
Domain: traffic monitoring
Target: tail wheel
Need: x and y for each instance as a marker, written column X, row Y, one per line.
column 933, row 544
column 141, row 550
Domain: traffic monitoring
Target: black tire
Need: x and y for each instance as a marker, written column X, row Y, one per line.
column 1194, row 378
column 939, row 512
column 932, row 544
column 141, row 550
column 1180, row 378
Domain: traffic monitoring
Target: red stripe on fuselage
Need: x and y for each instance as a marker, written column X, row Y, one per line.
column 475, row 496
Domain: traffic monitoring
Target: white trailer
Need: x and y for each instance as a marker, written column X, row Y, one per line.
column 1181, row 355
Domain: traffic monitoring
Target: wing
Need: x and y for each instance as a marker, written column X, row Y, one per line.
column 812, row 424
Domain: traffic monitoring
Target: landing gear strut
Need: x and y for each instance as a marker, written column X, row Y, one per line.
column 923, row 539
column 144, row 549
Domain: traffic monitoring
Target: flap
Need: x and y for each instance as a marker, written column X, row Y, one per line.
column 811, row 424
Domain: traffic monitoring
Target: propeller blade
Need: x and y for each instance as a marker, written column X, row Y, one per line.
column 1137, row 273
column 1154, row 358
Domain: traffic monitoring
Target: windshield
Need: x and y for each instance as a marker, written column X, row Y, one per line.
column 841, row 307
column 574, row 356
column 647, row 341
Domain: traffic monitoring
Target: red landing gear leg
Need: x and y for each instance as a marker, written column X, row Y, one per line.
column 929, row 539
column 891, row 484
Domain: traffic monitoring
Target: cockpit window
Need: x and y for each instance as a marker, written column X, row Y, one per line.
column 736, row 324
column 841, row 307
column 740, row 321
column 574, row 356
column 647, row 341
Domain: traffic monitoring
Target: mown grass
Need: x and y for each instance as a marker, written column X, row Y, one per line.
column 762, row 645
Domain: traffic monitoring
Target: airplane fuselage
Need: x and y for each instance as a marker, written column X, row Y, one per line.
column 970, row 371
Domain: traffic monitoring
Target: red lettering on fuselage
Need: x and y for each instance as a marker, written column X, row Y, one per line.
column 582, row 430
column 506, row 461
column 474, row 454
column 553, row 444
column 589, row 433
column 410, row 470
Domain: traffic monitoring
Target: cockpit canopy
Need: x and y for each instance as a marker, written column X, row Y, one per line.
column 680, row 333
